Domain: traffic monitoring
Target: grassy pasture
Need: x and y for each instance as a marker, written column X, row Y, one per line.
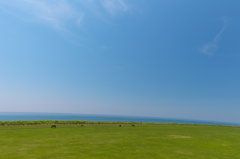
column 109, row 141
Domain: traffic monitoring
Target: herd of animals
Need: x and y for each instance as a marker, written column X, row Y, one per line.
column 55, row 126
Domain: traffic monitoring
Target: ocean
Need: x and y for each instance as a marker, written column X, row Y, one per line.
column 62, row 116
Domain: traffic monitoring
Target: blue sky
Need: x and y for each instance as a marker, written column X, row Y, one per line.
column 165, row 58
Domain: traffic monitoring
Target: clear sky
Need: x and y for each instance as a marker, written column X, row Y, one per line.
column 165, row 58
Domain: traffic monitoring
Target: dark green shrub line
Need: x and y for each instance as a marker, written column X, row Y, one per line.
column 81, row 122
column 41, row 122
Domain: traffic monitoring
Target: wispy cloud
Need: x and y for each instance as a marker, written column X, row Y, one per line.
column 211, row 47
column 55, row 13
column 60, row 14
column 114, row 6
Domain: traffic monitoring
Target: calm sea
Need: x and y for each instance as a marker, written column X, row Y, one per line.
column 57, row 116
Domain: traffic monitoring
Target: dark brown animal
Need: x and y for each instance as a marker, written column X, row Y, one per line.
column 53, row 126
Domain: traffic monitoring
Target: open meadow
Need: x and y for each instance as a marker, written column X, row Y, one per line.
column 106, row 141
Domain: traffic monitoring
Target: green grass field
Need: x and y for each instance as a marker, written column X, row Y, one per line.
column 166, row 141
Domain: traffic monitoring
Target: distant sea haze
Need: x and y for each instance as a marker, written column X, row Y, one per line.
column 62, row 116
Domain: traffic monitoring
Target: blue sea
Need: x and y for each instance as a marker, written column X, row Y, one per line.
column 62, row 116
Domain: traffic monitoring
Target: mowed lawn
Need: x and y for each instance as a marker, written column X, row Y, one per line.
column 113, row 142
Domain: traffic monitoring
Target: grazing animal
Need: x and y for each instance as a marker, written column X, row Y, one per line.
column 133, row 125
column 53, row 126
column 120, row 125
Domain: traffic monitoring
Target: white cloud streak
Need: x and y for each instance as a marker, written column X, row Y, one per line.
column 55, row 13
column 211, row 47
column 114, row 6
column 60, row 14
